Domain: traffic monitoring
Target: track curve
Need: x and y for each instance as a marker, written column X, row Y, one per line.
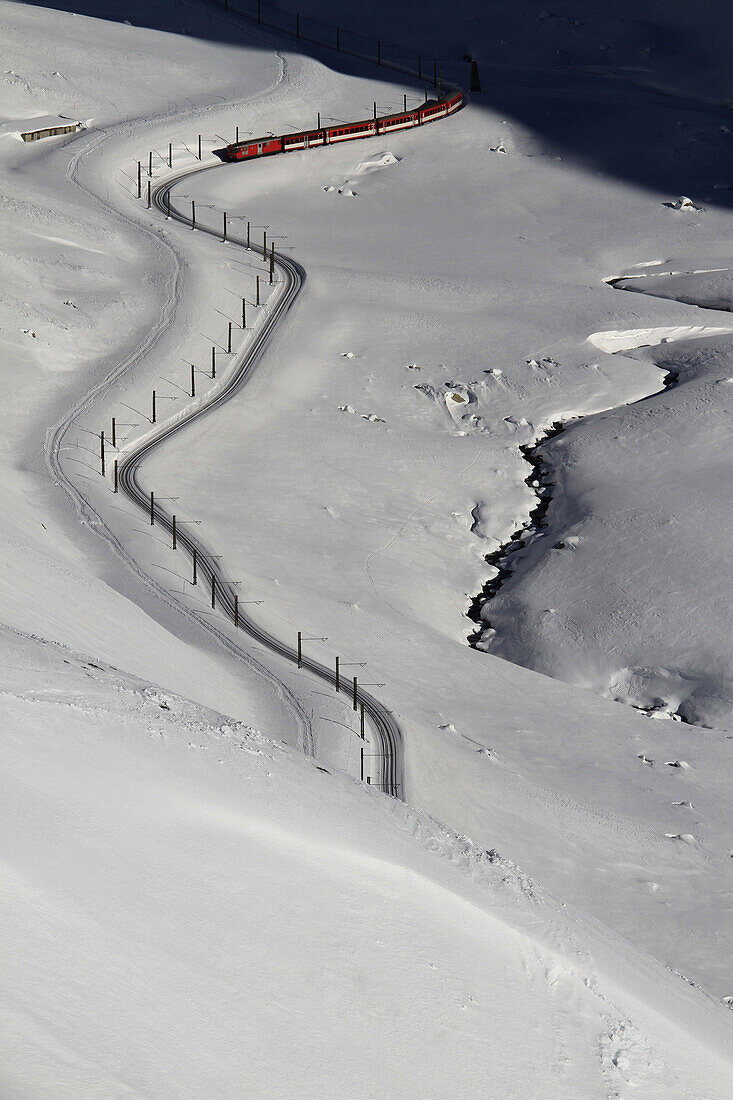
column 382, row 723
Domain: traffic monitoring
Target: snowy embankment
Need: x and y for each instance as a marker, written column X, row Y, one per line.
column 191, row 909
column 662, row 650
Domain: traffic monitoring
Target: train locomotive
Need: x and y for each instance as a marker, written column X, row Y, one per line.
column 429, row 111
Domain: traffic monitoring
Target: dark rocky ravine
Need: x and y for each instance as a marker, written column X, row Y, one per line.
column 541, row 475
column 541, row 480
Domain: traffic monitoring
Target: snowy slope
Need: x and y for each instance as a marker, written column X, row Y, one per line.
column 192, row 910
column 667, row 644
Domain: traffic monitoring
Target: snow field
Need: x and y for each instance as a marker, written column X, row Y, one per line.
column 462, row 272
column 227, row 890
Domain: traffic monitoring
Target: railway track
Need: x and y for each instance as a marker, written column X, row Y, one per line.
column 387, row 758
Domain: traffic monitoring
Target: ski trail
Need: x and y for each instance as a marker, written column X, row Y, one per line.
column 55, row 436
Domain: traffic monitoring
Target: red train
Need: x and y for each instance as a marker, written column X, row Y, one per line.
column 267, row 146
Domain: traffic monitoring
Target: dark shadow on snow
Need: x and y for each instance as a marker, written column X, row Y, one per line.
column 635, row 91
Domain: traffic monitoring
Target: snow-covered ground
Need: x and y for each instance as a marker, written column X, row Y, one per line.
column 192, row 910
column 457, row 304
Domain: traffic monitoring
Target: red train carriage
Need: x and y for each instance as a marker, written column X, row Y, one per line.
column 267, row 146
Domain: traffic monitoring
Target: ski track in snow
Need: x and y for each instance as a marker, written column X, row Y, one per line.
column 56, row 435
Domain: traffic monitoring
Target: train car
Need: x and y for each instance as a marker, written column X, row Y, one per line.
column 256, row 147
column 268, row 146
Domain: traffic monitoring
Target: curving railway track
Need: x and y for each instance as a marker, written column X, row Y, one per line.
column 387, row 759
